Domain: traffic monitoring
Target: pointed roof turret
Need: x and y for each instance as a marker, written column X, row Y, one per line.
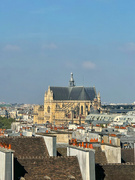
column 71, row 82
column 98, row 96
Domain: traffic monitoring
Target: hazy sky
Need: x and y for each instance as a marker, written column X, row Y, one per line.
column 43, row 41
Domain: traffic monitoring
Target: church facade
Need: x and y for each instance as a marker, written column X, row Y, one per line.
column 67, row 104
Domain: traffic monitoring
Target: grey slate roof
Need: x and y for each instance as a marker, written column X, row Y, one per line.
column 73, row 93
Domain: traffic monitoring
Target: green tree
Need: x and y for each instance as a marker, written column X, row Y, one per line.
column 5, row 123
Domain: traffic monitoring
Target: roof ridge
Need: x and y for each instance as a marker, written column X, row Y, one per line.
column 86, row 92
column 126, row 148
column 114, row 164
column 43, row 157
column 80, row 93
column 28, row 137
column 85, row 95
column 30, row 157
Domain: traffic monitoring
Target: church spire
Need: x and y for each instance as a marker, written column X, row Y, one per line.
column 71, row 82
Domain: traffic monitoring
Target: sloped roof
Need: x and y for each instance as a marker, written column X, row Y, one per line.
column 99, row 155
column 26, row 146
column 56, row 168
column 127, row 155
column 115, row 171
column 32, row 160
column 73, row 93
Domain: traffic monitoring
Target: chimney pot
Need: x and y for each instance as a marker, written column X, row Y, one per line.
column 9, row 146
column 82, row 144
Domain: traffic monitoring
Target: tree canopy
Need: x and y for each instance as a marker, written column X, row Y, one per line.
column 5, row 123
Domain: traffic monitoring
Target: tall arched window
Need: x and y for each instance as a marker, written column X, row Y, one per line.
column 48, row 109
column 81, row 109
column 90, row 106
column 57, row 106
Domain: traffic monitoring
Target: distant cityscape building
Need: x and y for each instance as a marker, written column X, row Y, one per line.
column 67, row 104
column 115, row 119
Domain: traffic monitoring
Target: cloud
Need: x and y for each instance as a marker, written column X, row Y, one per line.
column 88, row 65
column 49, row 46
column 12, row 48
column 128, row 47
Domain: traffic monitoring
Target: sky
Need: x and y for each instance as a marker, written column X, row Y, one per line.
column 42, row 42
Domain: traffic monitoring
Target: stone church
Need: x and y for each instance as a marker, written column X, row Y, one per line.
column 67, row 104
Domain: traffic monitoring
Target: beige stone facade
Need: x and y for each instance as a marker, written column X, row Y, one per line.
column 63, row 111
column 67, row 104
column 38, row 114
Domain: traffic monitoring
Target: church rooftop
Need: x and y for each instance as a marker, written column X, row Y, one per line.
column 73, row 93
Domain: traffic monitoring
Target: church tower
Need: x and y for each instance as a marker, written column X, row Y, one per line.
column 71, row 82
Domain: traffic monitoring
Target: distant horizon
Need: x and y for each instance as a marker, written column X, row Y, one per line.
column 43, row 42
column 102, row 103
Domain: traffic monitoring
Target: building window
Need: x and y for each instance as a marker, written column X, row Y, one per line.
column 48, row 109
column 57, row 106
column 81, row 109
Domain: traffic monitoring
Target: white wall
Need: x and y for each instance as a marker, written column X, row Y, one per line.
column 134, row 152
column 9, row 167
column 2, row 165
column 6, row 165
column 50, row 142
column 86, row 159
column 72, row 126
column 93, row 136
column 123, row 131
column 27, row 133
column 113, row 154
column 114, row 141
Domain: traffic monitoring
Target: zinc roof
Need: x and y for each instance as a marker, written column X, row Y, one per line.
column 73, row 93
